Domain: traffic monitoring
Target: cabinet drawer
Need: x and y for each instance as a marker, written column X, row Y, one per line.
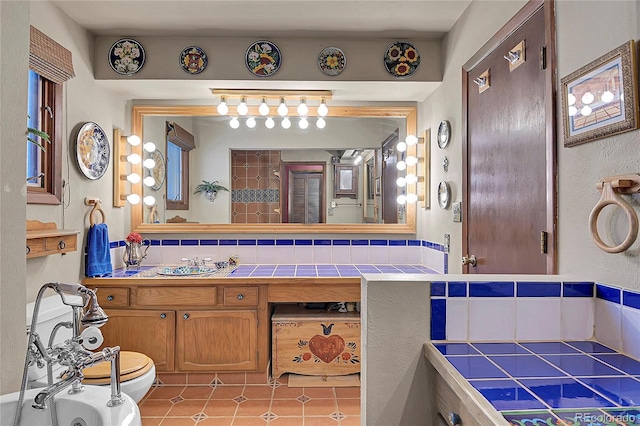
column 240, row 296
column 60, row 244
column 110, row 297
column 176, row 296
column 35, row 246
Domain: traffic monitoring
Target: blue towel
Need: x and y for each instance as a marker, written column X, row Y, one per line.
column 98, row 260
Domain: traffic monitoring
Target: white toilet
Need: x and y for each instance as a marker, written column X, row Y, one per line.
column 137, row 371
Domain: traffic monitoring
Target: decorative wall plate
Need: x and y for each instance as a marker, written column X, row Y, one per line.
column 92, row 150
column 444, row 134
column 193, row 60
column 444, row 195
column 401, row 59
column 332, row 61
column 126, row 56
column 263, row 58
column 158, row 171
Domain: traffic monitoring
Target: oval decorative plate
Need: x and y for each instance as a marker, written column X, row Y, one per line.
column 126, row 56
column 92, row 150
column 332, row 61
column 263, row 58
column 193, row 60
column 401, row 59
column 158, row 171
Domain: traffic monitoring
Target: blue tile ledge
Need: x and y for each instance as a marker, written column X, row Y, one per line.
column 283, row 271
column 511, row 392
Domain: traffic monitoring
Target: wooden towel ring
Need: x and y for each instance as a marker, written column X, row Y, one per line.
column 96, row 209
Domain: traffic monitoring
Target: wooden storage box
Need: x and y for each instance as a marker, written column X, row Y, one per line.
column 314, row 342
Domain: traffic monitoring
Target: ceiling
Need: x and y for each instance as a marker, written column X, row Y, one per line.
column 348, row 19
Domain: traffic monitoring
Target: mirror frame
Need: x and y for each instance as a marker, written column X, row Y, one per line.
column 409, row 113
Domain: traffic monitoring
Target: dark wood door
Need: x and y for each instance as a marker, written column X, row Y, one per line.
column 510, row 157
column 305, row 197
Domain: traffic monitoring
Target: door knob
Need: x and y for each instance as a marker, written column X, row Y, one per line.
column 469, row 260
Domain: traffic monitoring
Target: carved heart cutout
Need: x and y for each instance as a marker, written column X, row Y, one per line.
column 326, row 348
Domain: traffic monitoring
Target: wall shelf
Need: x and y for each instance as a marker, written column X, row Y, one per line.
column 44, row 239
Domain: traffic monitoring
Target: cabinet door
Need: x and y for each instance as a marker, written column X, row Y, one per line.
column 149, row 332
column 216, row 340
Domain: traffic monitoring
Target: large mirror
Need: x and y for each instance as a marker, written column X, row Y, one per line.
column 352, row 194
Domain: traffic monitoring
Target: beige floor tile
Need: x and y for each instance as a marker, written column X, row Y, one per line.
column 155, row 407
column 257, row 392
column 188, row 408
column 197, row 392
column 319, row 407
column 256, row 407
column 221, row 408
column 286, row 407
column 227, row 392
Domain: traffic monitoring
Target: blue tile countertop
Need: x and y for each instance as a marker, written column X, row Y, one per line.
column 285, row 271
column 551, row 383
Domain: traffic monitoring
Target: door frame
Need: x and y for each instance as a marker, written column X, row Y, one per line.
column 550, row 123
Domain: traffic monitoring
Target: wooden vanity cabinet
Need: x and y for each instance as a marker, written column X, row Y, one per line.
column 151, row 332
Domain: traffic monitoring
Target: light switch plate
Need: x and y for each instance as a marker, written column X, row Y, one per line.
column 457, row 211
column 447, row 242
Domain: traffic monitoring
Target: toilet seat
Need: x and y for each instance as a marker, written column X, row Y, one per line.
column 132, row 365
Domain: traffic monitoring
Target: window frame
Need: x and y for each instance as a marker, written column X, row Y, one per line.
column 185, row 148
column 50, row 190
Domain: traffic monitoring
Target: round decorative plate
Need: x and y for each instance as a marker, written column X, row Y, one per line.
column 332, row 61
column 92, row 150
column 401, row 59
column 263, row 58
column 158, row 171
column 444, row 194
column 444, row 134
column 126, row 56
column 193, row 60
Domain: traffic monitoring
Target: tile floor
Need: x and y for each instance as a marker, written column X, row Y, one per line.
column 245, row 399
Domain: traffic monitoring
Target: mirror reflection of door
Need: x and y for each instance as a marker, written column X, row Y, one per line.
column 389, row 177
column 304, row 195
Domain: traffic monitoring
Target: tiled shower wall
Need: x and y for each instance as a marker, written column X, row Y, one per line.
column 255, row 186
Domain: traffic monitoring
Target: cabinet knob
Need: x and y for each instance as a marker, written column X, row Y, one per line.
column 185, row 316
column 454, row 419
column 240, row 296
column 110, row 297
column 61, row 245
column 163, row 315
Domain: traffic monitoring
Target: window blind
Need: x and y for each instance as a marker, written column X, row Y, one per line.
column 48, row 58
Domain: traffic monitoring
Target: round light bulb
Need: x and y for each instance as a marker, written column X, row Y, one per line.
column 411, row 178
column 149, row 181
column 412, row 198
column 149, row 163
column 322, row 109
column 303, row 109
column 401, row 147
column 411, row 160
column 223, row 108
column 263, row 109
column 286, row 123
column 572, row 111
column 234, row 123
column 133, row 140
column 571, row 99
column 607, row 97
column 134, row 158
column 133, row 198
column 149, row 200
column 401, row 165
column 586, row 111
column 282, row 108
column 411, row 140
column 134, row 178
column 251, row 122
column 320, row 123
column 401, row 182
column 402, row 199
column 587, row 98
column 242, row 107
column 269, row 123
column 303, row 124
column 149, row 147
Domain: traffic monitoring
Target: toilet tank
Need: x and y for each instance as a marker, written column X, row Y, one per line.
column 51, row 312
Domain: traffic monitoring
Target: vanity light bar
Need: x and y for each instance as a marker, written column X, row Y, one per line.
column 261, row 98
column 120, row 176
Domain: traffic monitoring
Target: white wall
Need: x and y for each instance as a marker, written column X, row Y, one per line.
column 579, row 168
column 85, row 100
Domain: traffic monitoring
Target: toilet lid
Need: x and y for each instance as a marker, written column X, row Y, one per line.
column 132, row 365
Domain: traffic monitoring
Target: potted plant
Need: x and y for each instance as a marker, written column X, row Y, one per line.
column 33, row 134
column 210, row 188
